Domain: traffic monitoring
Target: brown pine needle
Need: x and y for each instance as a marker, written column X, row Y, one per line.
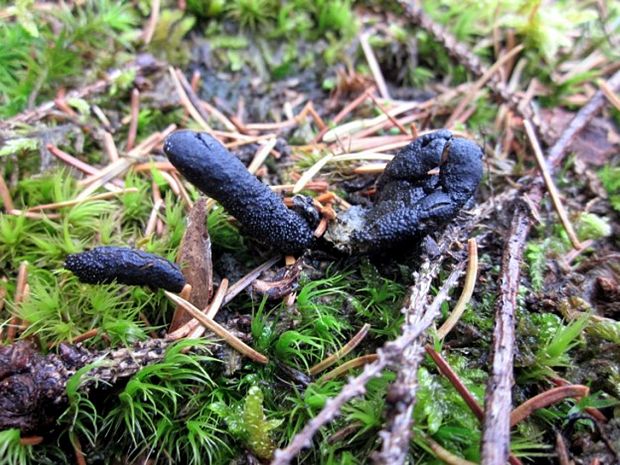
column 109, row 146
column 468, row 290
column 261, row 155
column 185, row 101
column 79, row 164
column 550, row 397
column 218, row 330
column 218, row 298
column 473, row 92
column 362, row 156
column 370, row 168
column 551, row 188
column 132, row 132
column 149, row 29
column 244, row 282
column 151, row 224
column 33, row 215
column 445, row 455
column 211, row 310
column 20, row 296
column 373, row 64
column 394, row 121
column 310, row 173
column 609, row 93
column 345, row 367
column 342, row 352
column 344, row 112
column 5, row 195
column 86, row 335
column 160, row 165
column 31, row 440
column 71, row 203
column 446, row 370
column 107, row 174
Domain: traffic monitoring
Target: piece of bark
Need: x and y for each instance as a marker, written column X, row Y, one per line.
column 33, row 385
column 284, row 282
column 195, row 261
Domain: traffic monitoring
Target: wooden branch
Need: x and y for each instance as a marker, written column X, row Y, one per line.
column 498, row 399
column 396, row 434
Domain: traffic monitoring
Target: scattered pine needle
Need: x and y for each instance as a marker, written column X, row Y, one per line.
column 370, row 168
column 185, row 101
column 261, row 155
column 20, row 296
column 609, row 93
column 218, row 330
column 310, row 173
column 551, row 188
column 445, row 455
column 345, row 367
column 5, row 195
column 71, row 203
column 544, row 399
column 132, row 132
column 109, row 146
column 468, row 290
column 342, row 352
column 373, row 64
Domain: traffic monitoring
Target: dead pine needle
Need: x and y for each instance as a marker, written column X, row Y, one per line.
column 342, row 352
column 132, row 132
column 347, row 366
column 185, row 101
column 20, row 296
column 468, row 290
column 542, row 400
column 551, row 188
column 71, row 203
column 310, row 173
column 373, row 64
column 218, row 330
column 445, row 455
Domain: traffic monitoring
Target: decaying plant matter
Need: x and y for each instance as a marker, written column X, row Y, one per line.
column 33, row 387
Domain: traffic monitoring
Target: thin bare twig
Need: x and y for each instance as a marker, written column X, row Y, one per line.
column 498, row 399
column 396, row 434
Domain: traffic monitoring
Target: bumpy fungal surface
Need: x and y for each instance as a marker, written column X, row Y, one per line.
column 215, row 171
column 411, row 203
column 127, row 266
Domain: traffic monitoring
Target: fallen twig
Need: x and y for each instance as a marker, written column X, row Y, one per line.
column 396, row 433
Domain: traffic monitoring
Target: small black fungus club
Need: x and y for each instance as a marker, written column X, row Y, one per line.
column 215, row 171
column 127, row 266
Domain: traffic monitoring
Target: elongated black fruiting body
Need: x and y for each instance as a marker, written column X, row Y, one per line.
column 215, row 171
column 127, row 266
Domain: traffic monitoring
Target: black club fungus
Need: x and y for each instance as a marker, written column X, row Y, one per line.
column 215, row 171
column 127, row 266
column 411, row 203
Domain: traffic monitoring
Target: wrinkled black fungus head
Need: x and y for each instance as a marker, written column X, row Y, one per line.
column 411, row 202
